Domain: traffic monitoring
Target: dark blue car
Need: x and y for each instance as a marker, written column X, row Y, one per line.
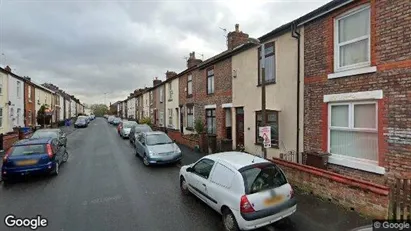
column 33, row 157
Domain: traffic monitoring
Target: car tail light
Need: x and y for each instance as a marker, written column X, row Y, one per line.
column 292, row 193
column 49, row 151
column 245, row 205
column 7, row 154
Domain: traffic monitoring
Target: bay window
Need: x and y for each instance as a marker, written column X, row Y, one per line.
column 353, row 130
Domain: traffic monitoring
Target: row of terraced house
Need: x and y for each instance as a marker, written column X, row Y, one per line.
column 21, row 98
column 338, row 81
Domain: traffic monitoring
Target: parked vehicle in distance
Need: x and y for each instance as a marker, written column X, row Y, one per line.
column 110, row 119
column 80, row 123
column 157, row 148
column 86, row 118
column 125, row 128
column 106, row 116
column 116, row 121
column 51, row 133
column 136, row 131
column 33, row 157
column 248, row 191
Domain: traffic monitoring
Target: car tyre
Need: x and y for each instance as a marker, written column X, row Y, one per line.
column 65, row 157
column 145, row 160
column 229, row 221
column 184, row 186
column 56, row 169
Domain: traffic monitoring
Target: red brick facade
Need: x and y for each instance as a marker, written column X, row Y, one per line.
column 29, row 104
column 390, row 54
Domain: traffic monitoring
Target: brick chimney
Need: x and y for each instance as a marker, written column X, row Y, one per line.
column 156, row 82
column 7, row 68
column 170, row 74
column 192, row 61
column 236, row 38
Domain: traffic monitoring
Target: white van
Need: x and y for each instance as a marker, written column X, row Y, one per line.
column 248, row 191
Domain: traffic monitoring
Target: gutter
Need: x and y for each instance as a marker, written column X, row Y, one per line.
column 296, row 34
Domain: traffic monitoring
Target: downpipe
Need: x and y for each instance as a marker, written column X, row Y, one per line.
column 296, row 34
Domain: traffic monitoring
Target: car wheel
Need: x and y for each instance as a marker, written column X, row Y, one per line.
column 184, row 186
column 56, row 169
column 65, row 157
column 229, row 221
column 145, row 160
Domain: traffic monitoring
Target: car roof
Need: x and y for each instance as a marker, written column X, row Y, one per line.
column 49, row 130
column 154, row 133
column 32, row 141
column 237, row 160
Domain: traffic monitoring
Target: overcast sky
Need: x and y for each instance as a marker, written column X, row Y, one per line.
column 89, row 48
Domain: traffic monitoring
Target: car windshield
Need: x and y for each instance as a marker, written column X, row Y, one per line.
column 42, row 134
column 143, row 129
column 129, row 124
column 28, row 150
column 158, row 139
column 262, row 177
column 80, row 120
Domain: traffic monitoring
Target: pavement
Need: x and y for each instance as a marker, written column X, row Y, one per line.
column 104, row 186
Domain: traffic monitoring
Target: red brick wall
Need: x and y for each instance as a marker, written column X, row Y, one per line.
column 186, row 140
column 222, row 94
column 9, row 140
column 29, row 106
column 390, row 52
column 366, row 198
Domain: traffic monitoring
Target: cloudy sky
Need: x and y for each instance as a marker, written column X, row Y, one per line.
column 93, row 47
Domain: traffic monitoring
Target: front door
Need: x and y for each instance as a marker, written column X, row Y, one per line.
column 181, row 120
column 239, row 126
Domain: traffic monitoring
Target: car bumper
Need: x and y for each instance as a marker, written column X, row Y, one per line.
column 8, row 173
column 81, row 125
column 249, row 224
column 169, row 159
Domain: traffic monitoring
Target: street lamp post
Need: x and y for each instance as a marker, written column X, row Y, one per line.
column 263, row 94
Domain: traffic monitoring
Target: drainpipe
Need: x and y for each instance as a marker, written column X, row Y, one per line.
column 295, row 34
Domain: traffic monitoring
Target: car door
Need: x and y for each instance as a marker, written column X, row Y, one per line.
column 131, row 134
column 62, row 137
column 140, row 145
column 199, row 179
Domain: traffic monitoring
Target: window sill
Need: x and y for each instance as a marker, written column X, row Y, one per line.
column 189, row 129
column 189, row 96
column 357, row 71
column 169, row 100
column 356, row 163
column 210, row 94
column 274, row 146
column 267, row 83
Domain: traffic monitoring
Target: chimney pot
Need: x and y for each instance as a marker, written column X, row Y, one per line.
column 237, row 27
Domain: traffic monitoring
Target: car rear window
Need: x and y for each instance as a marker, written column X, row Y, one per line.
column 45, row 134
column 28, row 150
column 143, row 129
column 262, row 177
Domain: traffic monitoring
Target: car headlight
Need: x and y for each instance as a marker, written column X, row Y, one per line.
column 151, row 153
column 176, row 149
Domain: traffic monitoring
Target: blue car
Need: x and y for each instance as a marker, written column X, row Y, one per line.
column 33, row 157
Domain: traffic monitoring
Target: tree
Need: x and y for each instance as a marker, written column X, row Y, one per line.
column 99, row 109
column 42, row 117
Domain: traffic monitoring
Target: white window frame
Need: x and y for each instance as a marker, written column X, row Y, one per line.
column 170, row 91
column 1, row 117
column 337, row 45
column 190, row 81
column 170, row 117
column 161, row 94
column 348, row 161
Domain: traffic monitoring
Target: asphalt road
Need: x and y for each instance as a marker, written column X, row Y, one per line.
column 103, row 186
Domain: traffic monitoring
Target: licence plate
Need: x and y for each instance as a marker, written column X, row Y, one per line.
column 274, row 200
column 26, row 162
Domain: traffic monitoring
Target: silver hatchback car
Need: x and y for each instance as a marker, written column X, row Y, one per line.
column 157, row 148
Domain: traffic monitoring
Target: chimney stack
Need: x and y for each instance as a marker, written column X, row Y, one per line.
column 236, row 38
column 7, row 68
column 170, row 74
column 156, row 82
column 193, row 61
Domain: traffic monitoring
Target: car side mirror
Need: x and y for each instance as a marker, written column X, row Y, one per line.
column 189, row 169
column 61, row 144
column 175, row 141
column 63, row 135
column 143, row 143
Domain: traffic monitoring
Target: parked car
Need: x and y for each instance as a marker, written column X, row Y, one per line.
column 81, row 123
column 110, row 119
column 136, row 130
column 33, row 157
column 157, row 148
column 248, row 191
column 126, row 128
column 51, row 133
column 86, row 118
column 116, row 121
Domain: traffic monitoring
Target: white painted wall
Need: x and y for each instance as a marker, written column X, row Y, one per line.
column 73, row 106
column 131, row 108
column 146, row 103
column 61, row 118
column 172, row 104
column 67, row 109
column 16, row 97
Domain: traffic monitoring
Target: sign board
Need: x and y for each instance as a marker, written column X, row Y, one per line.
column 265, row 133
